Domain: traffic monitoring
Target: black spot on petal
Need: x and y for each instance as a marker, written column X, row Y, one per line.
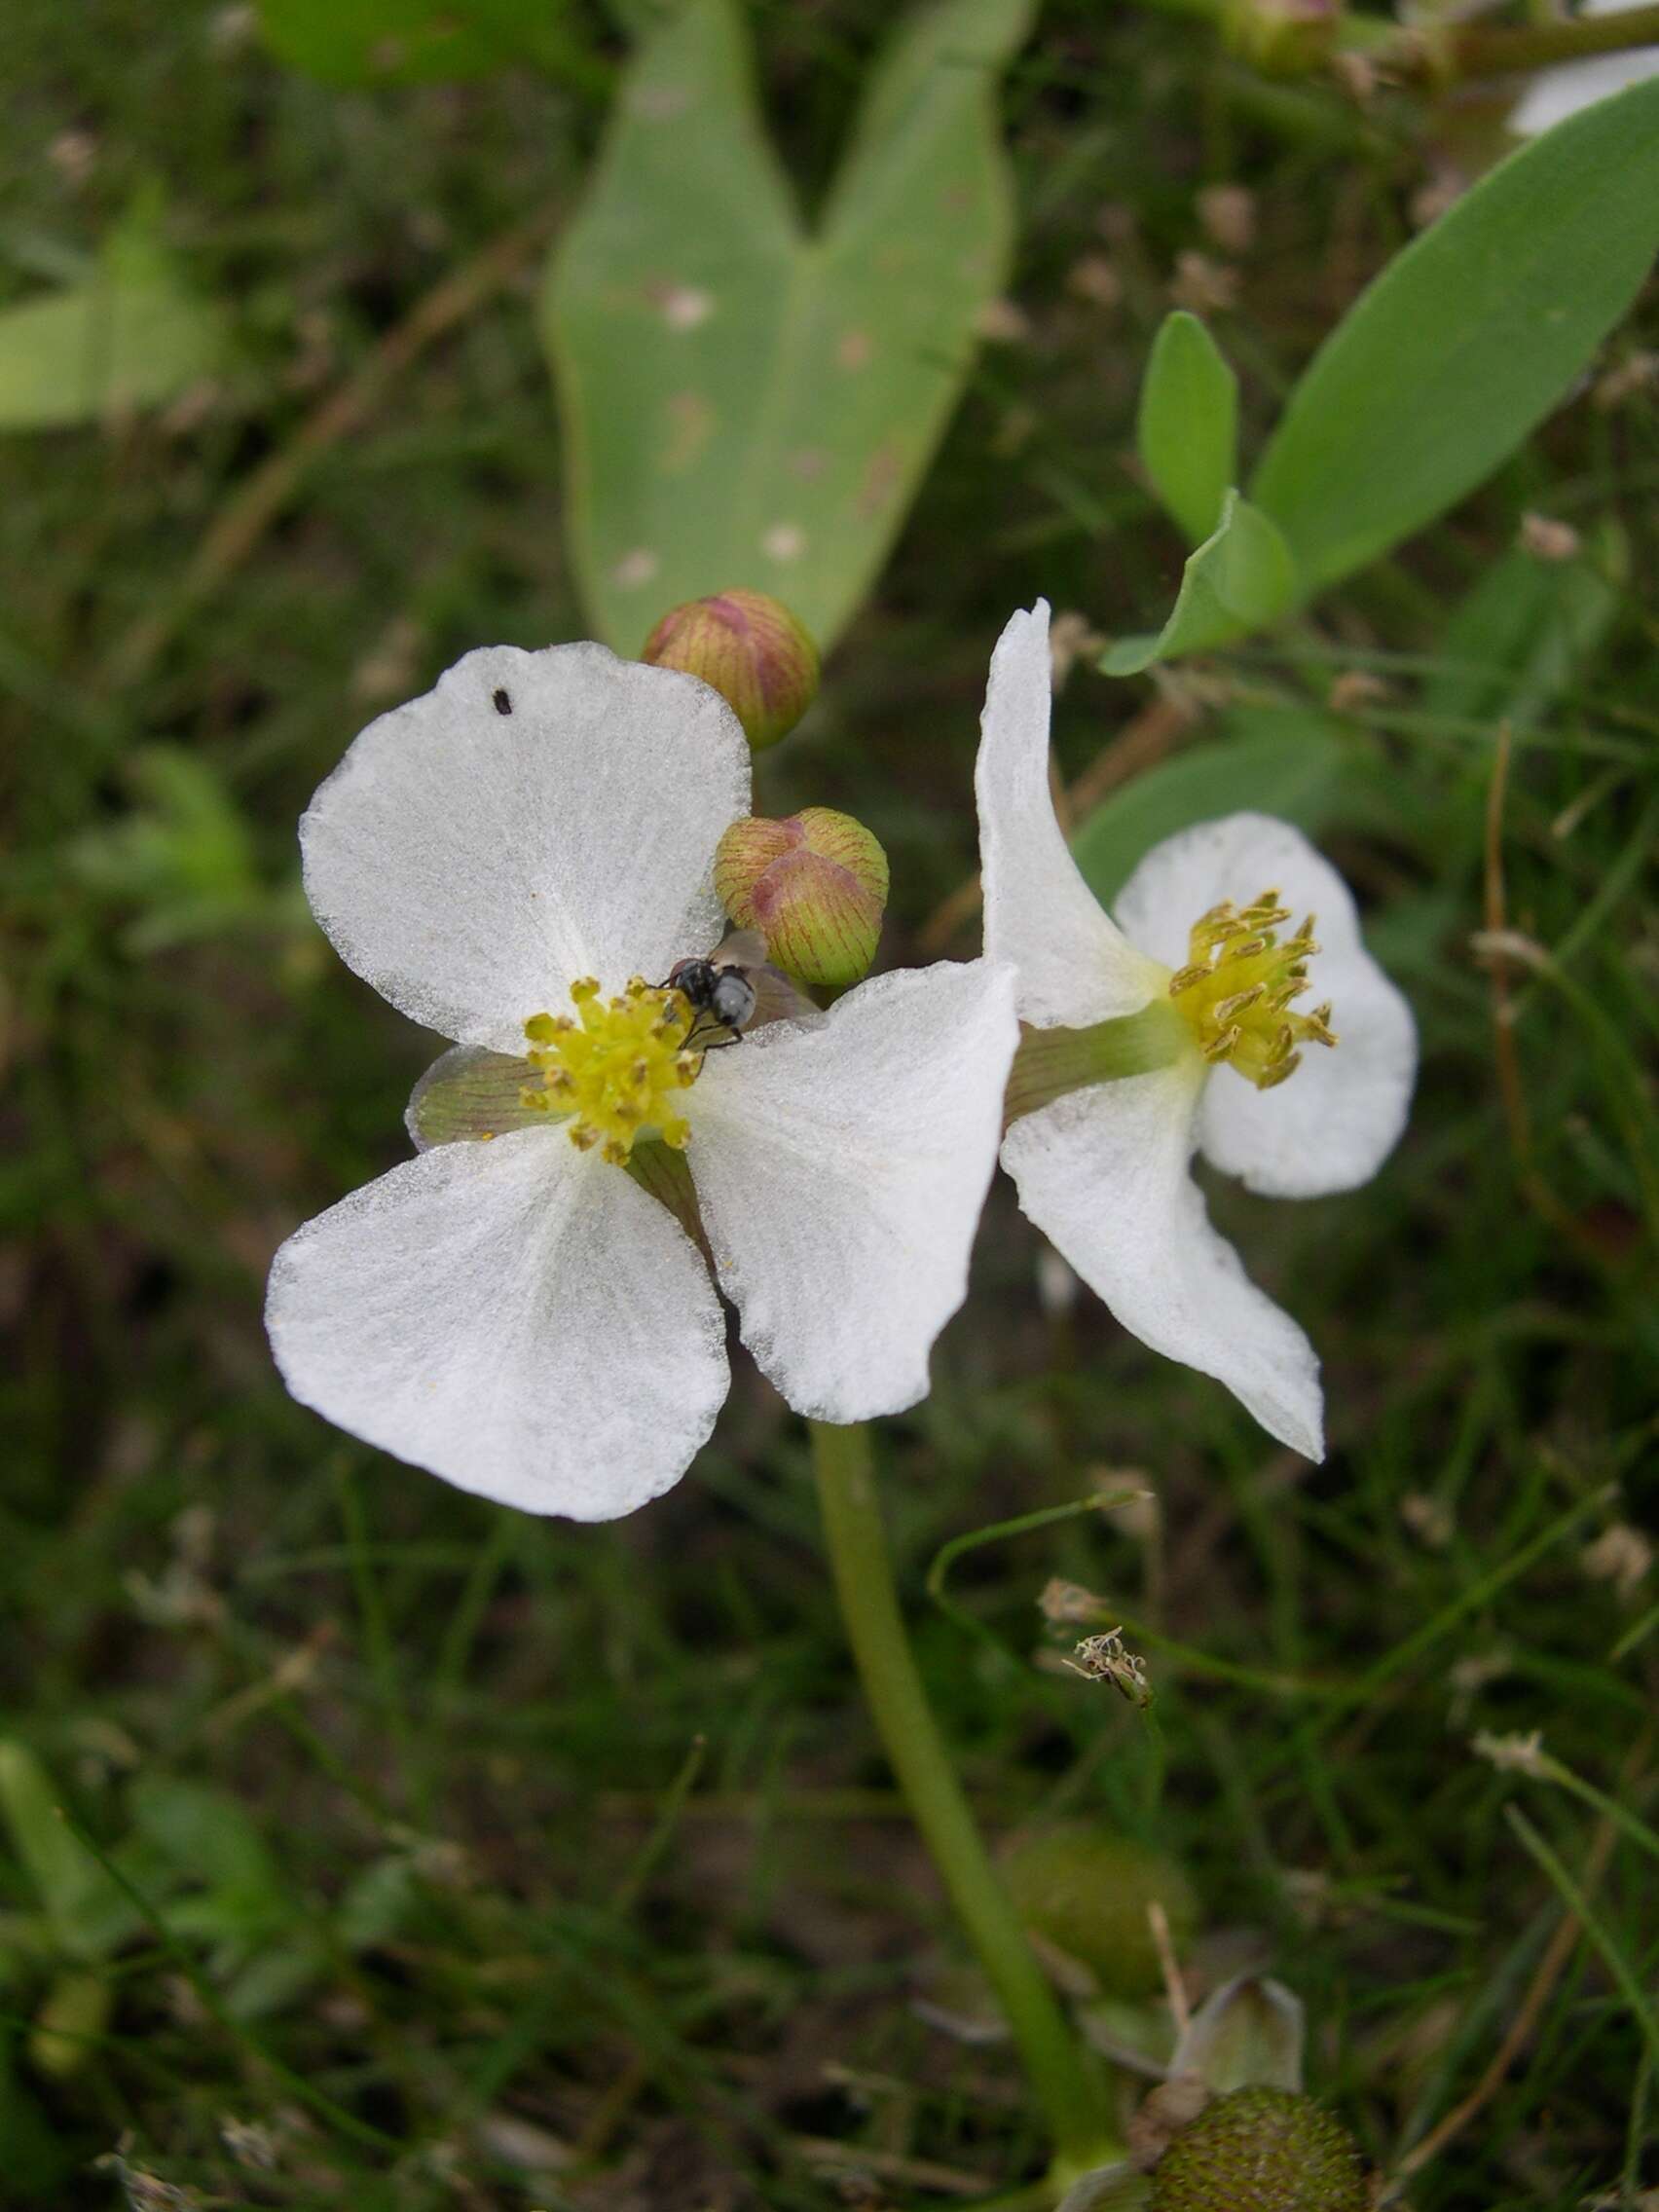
column 502, row 701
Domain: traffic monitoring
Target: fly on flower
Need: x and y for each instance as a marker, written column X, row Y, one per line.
column 513, row 1308
column 736, row 987
column 1224, row 935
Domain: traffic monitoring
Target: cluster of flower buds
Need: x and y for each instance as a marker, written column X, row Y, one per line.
column 813, row 884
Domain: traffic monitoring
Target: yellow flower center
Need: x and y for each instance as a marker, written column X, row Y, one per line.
column 613, row 1066
column 1237, row 989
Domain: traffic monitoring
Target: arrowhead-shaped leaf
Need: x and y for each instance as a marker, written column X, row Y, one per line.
column 745, row 403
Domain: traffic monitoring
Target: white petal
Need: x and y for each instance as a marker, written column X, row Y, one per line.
column 1105, row 1175
column 1074, row 966
column 471, row 862
column 1556, row 94
column 516, row 1317
column 841, row 1170
column 1336, row 1118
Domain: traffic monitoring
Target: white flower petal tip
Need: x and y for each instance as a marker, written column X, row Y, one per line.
column 515, row 1316
column 842, row 1172
column 1556, row 94
column 1074, row 966
column 536, row 817
column 1331, row 1127
column 1105, row 1173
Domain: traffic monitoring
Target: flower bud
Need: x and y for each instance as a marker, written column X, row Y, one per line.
column 814, row 885
column 751, row 649
column 1086, row 1890
column 1262, row 2150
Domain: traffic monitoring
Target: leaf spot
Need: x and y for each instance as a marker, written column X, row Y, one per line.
column 634, row 568
column 784, row 541
column 854, row 350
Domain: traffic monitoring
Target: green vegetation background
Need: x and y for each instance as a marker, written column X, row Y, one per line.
column 400, row 1768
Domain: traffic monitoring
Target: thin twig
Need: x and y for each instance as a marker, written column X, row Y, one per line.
column 254, row 506
column 1551, row 1966
column 1505, row 1053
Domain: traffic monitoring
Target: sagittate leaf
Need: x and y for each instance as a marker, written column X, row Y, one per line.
column 404, row 42
column 132, row 336
column 1188, row 424
column 745, row 403
column 1466, row 340
column 1239, row 580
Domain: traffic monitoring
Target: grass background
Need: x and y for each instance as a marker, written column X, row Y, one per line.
column 556, row 1867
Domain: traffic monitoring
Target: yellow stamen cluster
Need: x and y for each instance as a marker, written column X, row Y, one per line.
column 1237, row 989
column 615, row 1065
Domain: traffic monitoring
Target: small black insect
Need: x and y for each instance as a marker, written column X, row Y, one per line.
column 733, row 988
column 501, row 702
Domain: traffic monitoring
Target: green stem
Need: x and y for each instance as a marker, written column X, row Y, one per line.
column 875, row 1629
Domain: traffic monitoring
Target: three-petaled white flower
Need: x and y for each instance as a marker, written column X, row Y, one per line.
column 519, row 1314
column 1104, row 1170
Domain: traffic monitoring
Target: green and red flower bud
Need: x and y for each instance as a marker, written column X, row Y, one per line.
column 751, row 649
column 814, row 885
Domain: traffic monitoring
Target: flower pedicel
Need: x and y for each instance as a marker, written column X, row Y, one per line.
column 1179, row 1027
column 519, row 859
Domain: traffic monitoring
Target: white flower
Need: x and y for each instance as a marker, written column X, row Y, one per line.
column 1104, row 1170
column 1556, row 94
column 520, row 1315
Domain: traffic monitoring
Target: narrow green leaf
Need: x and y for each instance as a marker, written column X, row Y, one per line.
column 1188, row 427
column 89, row 1916
column 408, row 42
column 1288, row 763
column 1513, row 642
column 130, row 336
column 1467, row 340
column 745, row 404
column 1239, row 580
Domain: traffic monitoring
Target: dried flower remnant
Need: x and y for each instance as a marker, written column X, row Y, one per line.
column 1106, row 1658
column 1177, row 1028
column 1516, row 1754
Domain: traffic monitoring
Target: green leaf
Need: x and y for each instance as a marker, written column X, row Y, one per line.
column 1188, row 427
column 1467, row 340
column 1288, row 761
column 1239, row 580
column 132, row 336
column 409, row 42
column 1513, row 643
column 746, row 404
column 89, row 1914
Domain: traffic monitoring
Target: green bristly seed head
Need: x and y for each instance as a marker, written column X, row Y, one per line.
column 1262, row 2150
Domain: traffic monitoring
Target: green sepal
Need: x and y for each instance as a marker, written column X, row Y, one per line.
column 469, row 1095
column 1051, row 1062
